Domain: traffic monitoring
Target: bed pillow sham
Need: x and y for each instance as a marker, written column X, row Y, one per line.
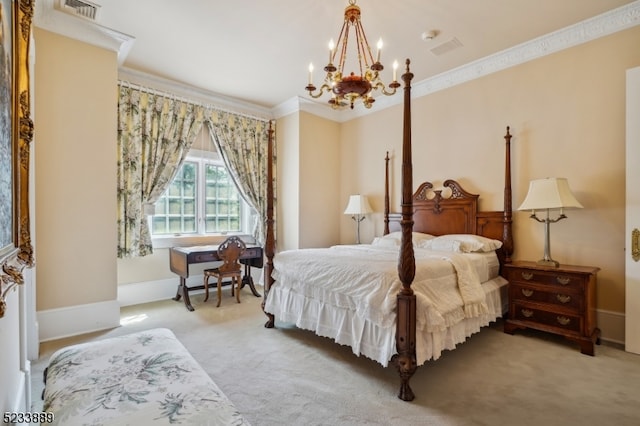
column 416, row 237
column 462, row 243
column 394, row 238
column 385, row 242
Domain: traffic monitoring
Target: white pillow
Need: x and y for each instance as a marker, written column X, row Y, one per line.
column 385, row 242
column 463, row 243
column 426, row 243
column 418, row 238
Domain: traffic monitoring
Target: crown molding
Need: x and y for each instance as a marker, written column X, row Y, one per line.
column 47, row 17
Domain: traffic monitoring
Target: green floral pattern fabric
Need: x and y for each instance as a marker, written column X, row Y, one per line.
column 243, row 143
column 138, row 379
column 155, row 133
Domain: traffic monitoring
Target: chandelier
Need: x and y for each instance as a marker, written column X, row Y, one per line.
column 347, row 89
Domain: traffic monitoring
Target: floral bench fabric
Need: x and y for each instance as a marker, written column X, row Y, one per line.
column 138, row 379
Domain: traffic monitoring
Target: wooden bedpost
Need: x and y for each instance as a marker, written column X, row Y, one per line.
column 405, row 359
column 386, row 194
column 270, row 241
column 507, row 236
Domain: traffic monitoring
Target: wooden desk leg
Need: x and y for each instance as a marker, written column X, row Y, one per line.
column 183, row 290
column 247, row 279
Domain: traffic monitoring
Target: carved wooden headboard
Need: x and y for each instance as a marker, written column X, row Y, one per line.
column 438, row 214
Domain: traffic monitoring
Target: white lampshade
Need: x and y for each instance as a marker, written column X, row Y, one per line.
column 549, row 193
column 358, row 204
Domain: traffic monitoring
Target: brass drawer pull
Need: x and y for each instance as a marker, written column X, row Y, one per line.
column 563, row 298
column 563, row 320
column 527, row 275
column 528, row 313
column 563, row 280
column 527, row 292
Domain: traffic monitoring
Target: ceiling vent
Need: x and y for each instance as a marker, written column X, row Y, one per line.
column 446, row 47
column 81, row 8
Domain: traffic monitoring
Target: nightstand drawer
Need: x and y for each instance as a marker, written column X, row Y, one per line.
column 553, row 296
column 553, row 278
column 554, row 319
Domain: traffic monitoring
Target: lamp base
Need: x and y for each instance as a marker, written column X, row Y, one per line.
column 548, row 262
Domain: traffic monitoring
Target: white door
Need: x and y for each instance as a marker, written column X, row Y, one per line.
column 632, row 244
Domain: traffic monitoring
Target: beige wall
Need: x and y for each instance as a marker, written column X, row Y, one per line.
column 154, row 267
column 566, row 113
column 319, row 162
column 75, row 172
column 308, row 158
column 288, row 182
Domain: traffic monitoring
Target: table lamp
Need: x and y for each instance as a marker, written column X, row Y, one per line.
column 547, row 194
column 358, row 207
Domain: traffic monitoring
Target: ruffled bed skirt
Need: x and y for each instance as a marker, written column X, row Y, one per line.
column 346, row 327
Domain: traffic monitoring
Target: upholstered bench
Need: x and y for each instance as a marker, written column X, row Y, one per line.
column 143, row 378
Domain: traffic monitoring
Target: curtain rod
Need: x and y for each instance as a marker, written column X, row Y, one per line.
column 186, row 100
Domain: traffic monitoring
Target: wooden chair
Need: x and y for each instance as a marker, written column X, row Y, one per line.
column 229, row 252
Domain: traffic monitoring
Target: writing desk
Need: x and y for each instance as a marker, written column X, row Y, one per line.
column 181, row 257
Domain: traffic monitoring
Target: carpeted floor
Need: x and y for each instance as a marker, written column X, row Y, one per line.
column 287, row 376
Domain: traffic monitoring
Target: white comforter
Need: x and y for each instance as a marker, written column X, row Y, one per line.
column 361, row 282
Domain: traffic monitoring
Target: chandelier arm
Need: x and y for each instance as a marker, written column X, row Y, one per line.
column 383, row 89
column 321, row 91
column 387, row 92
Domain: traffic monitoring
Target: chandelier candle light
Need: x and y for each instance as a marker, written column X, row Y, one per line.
column 547, row 194
column 346, row 89
column 358, row 207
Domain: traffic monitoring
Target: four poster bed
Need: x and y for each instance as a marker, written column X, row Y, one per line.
column 427, row 284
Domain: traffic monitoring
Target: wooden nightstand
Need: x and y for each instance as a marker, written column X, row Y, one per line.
column 557, row 300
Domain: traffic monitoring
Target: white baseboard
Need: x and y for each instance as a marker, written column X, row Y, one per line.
column 151, row 291
column 80, row 319
column 611, row 325
column 20, row 404
column 148, row 291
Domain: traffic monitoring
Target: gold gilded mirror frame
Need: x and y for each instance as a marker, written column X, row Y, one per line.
column 17, row 252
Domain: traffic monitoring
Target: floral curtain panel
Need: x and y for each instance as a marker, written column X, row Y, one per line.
column 155, row 133
column 242, row 142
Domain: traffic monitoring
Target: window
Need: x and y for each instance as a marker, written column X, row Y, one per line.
column 176, row 209
column 222, row 201
column 201, row 200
